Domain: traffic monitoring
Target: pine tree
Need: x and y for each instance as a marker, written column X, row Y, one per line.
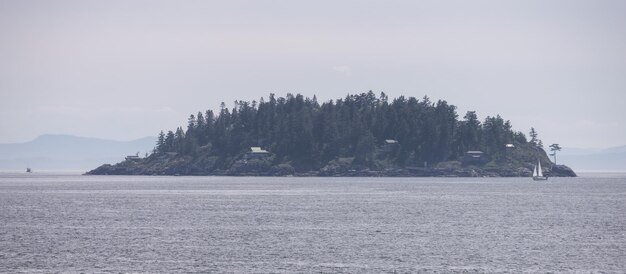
column 160, row 146
column 554, row 148
column 533, row 136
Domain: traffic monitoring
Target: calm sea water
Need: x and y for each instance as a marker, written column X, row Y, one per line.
column 73, row 223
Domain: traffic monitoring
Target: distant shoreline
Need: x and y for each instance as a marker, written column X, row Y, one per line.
column 580, row 174
column 278, row 171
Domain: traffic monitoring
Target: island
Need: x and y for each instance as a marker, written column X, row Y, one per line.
column 359, row 135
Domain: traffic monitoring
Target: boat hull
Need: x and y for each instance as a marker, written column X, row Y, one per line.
column 537, row 178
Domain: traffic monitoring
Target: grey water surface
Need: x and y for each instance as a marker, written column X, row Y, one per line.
column 74, row 223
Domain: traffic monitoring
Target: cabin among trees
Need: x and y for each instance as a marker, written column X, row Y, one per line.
column 256, row 153
column 475, row 157
column 133, row 157
column 373, row 131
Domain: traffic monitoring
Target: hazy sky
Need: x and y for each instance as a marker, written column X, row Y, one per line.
column 128, row 69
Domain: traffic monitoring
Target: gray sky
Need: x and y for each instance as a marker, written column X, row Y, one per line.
column 127, row 69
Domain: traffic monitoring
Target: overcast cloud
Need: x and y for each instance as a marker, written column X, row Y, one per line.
column 128, row 69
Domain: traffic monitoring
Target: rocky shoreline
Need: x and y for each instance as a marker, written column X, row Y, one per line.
column 179, row 166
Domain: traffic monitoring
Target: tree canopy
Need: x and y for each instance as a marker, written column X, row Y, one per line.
column 308, row 135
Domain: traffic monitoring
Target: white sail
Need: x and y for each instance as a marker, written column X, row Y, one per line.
column 539, row 172
column 535, row 172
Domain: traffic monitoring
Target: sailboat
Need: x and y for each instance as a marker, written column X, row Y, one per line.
column 538, row 173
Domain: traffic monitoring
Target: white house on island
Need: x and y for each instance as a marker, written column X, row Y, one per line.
column 256, row 153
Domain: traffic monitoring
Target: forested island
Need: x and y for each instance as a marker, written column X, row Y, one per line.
column 359, row 135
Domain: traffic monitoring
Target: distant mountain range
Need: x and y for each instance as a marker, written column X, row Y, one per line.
column 67, row 152
column 580, row 159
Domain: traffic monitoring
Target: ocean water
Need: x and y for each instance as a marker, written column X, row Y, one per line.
column 74, row 223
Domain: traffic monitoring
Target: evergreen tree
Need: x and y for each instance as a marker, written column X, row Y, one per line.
column 533, row 136
column 169, row 141
column 554, row 148
column 160, row 146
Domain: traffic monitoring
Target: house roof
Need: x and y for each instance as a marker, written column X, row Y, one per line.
column 258, row 150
